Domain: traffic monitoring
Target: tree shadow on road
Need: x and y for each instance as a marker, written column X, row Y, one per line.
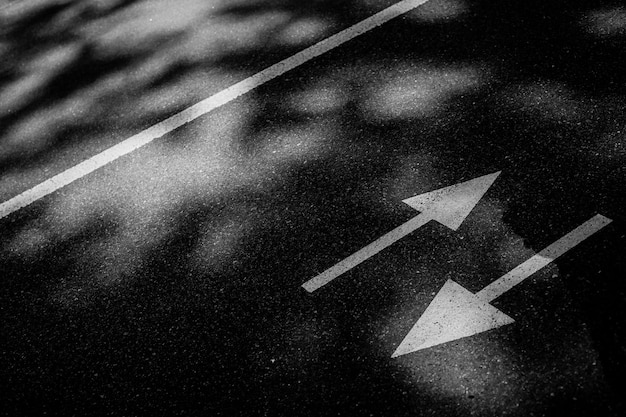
column 181, row 294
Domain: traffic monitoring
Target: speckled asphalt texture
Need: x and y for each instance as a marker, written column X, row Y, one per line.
column 169, row 282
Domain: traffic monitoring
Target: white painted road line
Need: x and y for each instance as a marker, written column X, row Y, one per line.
column 365, row 253
column 455, row 312
column 203, row 107
column 448, row 206
column 543, row 258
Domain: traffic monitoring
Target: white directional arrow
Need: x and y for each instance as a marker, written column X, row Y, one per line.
column 456, row 312
column 449, row 206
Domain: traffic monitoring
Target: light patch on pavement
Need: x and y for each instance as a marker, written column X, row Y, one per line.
column 150, row 196
column 305, row 30
column 297, row 145
column 550, row 100
column 173, row 94
column 512, row 250
column 471, row 374
column 52, row 61
column 410, row 172
column 29, row 242
column 219, row 240
column 38, row 131
column 14, row 10
column 440, row 11
column 37, row 74
column 417, row 91
column 142, row 25
column 316, row 100
column 502, row 247
column 605, row 23
column 213, row 39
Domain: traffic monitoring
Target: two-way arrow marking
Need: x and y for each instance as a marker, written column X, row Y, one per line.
column 449, row 206
column 456, row 313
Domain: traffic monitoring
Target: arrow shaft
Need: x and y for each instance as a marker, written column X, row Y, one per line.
column 543, row 258
column 366, row 252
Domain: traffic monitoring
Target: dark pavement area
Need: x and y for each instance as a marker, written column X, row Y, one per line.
column 169, row 281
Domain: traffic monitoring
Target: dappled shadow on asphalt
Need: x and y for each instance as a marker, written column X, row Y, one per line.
column 182, row 294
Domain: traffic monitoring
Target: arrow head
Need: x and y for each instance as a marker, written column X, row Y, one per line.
column 451, row 205
column 453, row 314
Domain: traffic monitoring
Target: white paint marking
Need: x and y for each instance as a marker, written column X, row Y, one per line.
column 455, row 312
column 449, row 206
column 459, row 311
column 543, row 258
column 365, row 253
column 209, row 104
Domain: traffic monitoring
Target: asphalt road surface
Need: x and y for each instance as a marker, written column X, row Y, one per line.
column 169, row 281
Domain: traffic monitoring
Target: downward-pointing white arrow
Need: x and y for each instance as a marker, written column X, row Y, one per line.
column 449, row 206
column 456, row 313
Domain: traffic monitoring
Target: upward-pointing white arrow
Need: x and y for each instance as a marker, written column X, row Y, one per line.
column 455, row 312
column 449, row 206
